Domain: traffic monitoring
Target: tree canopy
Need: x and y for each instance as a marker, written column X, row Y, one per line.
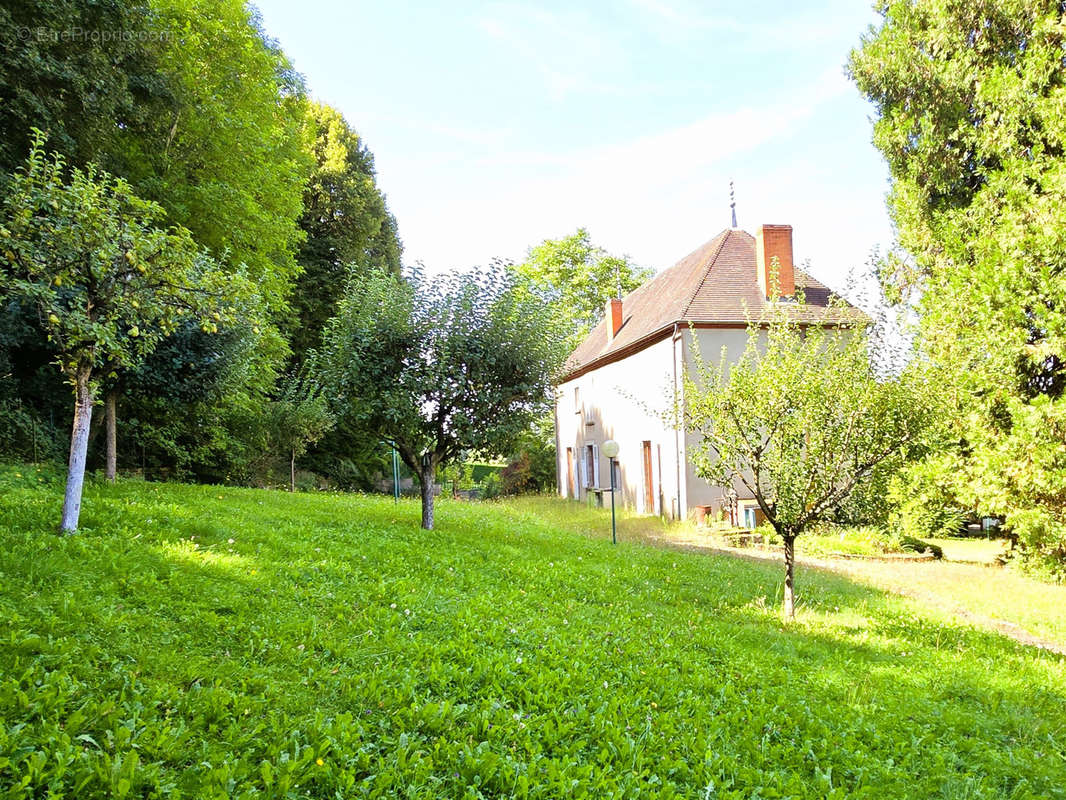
column 577, row 278
column 230, row 159
column 106, row 282
column 971, row 119
column 84, row 92
column 346, row 223
column 800, row 420
column 442, row 367
column 201, row 113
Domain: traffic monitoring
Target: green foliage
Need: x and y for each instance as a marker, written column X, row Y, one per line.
column 347, row 224
column 205, row 642
column 970, row 117
column 440, row 368
column 230, row 159
column 800, row 420
column 532, row 467
column 832, row 539
column 478, row 472
column 187, row 100
column 918, row 546
column 107, row 283
column 199, row 111
column 923, row 498
column 577, row 278
column 490, row 486
column 59, row 73
column 868, row 504
column 26, row 435
column 299, row 417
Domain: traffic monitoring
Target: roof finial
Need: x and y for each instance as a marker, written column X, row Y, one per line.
column 733, row 203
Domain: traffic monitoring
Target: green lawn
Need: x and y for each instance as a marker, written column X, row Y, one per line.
column 974, row 551
column 212, row 642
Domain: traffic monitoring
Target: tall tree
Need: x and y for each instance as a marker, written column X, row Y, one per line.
column 188, row 100
column 971, row 119
column 577, row 278
column 230, row 159
column 107, row 283
column 437, row 368
column 800, row 421
column 59, row 72
column 346, row 222
column 193, row 105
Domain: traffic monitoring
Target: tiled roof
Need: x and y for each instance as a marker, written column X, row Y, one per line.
column 715, row 284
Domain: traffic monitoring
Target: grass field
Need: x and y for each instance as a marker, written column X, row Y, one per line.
column 208, row 642
column 967, row 585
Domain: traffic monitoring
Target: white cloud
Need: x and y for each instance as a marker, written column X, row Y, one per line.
column 653, row 197
column 569, row 51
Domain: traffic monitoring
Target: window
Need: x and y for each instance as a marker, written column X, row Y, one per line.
column 749, row 517
column 577, row 399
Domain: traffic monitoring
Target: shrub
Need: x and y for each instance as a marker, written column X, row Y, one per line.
column 490, row 487
column 26, row 437
column 913, row 545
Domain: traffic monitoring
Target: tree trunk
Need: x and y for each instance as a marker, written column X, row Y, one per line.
column 292, row 471
column 790, row 571
column 110, row 418
column 426, row 480
column 79, row 444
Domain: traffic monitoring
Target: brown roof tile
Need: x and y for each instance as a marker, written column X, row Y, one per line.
column 715, row 284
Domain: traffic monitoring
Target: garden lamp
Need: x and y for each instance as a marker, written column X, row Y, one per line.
column 610, row 449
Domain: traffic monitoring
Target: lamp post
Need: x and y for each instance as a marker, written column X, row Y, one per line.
column 395, row 476
column 610, row 449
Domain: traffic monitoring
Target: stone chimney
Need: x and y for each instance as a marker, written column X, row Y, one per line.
column 775, row 241
column 614, row 318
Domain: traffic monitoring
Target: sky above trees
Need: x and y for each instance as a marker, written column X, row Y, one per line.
column 495, row 125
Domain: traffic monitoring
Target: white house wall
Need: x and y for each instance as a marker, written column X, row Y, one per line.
column 710, row 342
column 625, row 401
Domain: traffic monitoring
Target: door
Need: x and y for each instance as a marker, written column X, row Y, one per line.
column 649, row 487
column 590, row 466
column 571, row 487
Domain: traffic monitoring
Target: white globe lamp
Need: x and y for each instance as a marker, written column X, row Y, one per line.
column 610, row 449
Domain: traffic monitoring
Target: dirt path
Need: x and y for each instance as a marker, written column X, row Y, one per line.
column 964, row 590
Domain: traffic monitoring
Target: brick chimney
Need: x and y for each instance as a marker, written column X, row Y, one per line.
column 775, row 241
column 614, row 318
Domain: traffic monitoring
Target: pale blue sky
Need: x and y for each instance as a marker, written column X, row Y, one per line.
column 495, row 125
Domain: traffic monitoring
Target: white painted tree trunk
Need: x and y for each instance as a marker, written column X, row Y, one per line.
column 292, row 471
column 79, row 444
column 426, row 480
column 111, row 423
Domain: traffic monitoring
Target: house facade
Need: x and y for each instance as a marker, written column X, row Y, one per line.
column 623, row 380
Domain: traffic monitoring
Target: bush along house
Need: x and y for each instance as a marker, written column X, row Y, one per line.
column 623, row 380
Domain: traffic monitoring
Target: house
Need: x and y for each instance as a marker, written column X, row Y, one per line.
column 623, row 378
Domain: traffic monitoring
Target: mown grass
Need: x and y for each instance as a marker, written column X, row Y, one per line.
column 966, row 584
column 203, row 642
